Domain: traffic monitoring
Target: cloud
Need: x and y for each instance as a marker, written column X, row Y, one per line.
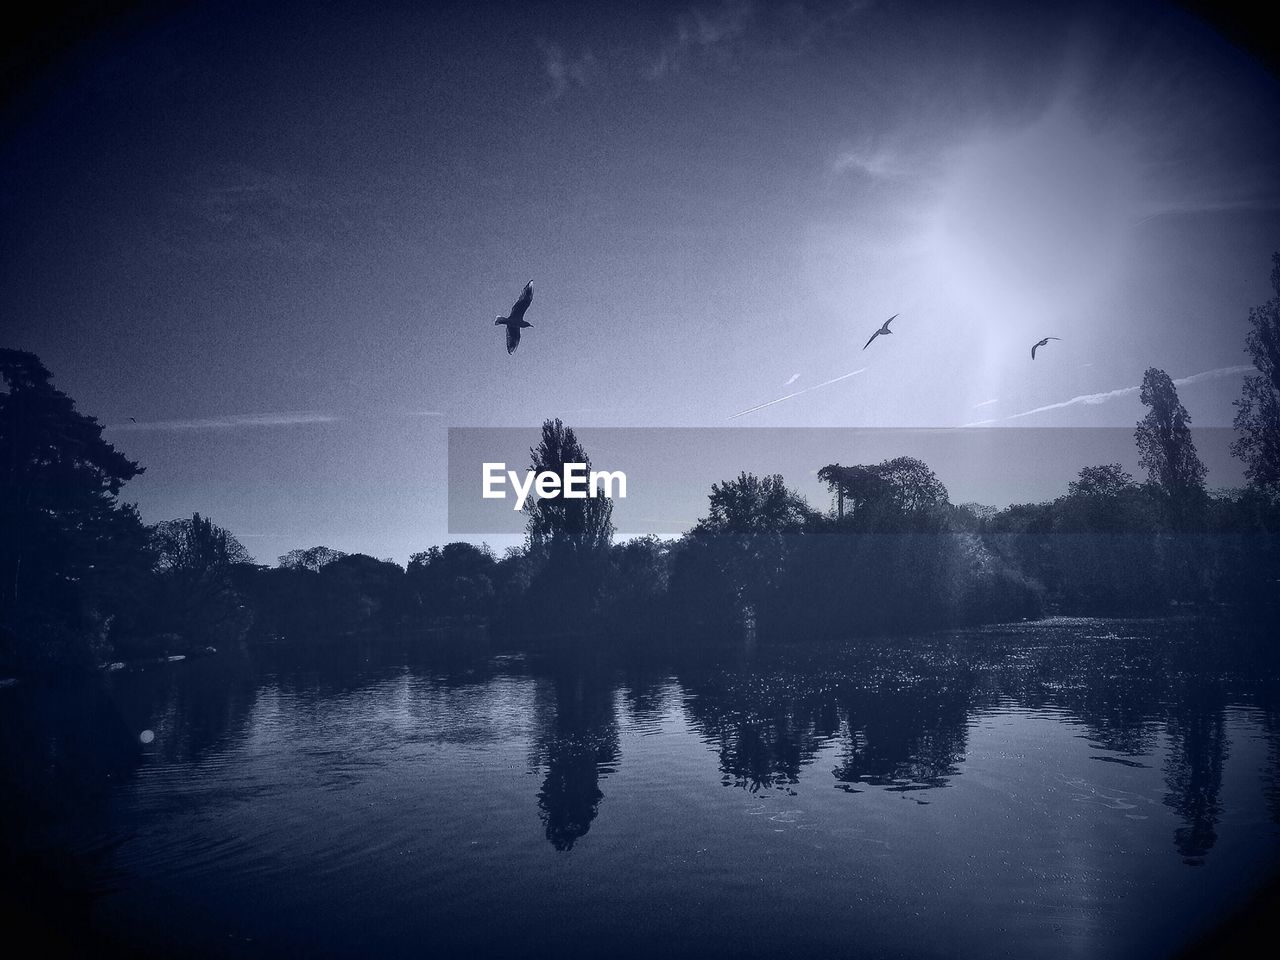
column 817, row 386
column 1093, row 399
column 564, row 72
column 230, row 423
column 873, row 161
column 231, row 210
column 701, row 33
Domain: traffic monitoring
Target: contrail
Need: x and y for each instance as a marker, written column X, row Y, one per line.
column 816, row 386
column 794, row 378
column 986, row 403
column 232, row 422
column 1093, row 399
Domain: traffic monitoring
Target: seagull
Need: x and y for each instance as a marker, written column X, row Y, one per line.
column 884, row 328
column 1037, row 346
column 514, row 322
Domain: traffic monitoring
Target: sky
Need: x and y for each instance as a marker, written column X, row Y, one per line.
column 276, row 235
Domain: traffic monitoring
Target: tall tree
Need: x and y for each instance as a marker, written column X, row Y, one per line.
column 64, row 538
column 1258, row 409
column 1165, row 447
column 196, row 596
column 559, row 524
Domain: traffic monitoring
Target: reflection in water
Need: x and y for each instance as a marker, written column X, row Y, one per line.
column 577, row 740
column 1149, row 704
column 1193, row 771
column 910, row 736
column 764, row 725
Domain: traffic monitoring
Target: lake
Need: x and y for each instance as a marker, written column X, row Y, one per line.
column 1063, row 788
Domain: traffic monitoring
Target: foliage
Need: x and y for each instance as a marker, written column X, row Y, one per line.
column 561, row 525
column 1166, row 450
column 313, row 558
column 883, row 492
column 71, row 556
column 456, row 580
column 194, row 600
column 1258, row 409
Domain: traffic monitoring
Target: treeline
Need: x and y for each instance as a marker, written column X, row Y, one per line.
column 83, row 580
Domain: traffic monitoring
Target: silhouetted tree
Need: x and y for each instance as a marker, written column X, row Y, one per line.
column 912, row 485
column 751, row 504
column 71, row 556
column 561, row 524
column 312, row 558
column 882, row 492
column 1107, row 481
column 1258, row 409
column 195, row 596
column 455, row 580
column 852, row 487
column 364, row 592
column 1165, row 447
column 747, row 526
column 1106, row 548
column 636, row 583
column 566, row 555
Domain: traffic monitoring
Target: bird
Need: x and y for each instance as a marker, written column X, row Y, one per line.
column 132, row 420
column 516, row 320
column 884, row 328
column 1036, row 346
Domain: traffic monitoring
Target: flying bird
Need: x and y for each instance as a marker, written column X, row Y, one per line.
column 132, row 420
column 884, row 328
column 516, row 321
column 1036, row 346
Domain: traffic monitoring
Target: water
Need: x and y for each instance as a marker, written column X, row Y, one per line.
column 1059, row 789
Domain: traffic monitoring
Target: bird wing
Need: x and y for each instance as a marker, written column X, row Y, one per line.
column 885, row 325
column 513, row 337
column 1033, row 350
column 868, row 343
column 521, row 305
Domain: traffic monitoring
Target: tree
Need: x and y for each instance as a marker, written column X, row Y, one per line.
column 362, row 592
column 1165, row 447
column 454, row 580
column 1105, row 549
column 312, row 558
column 559, row 524
column 1258, row 409
column 912, row 484
column 853, row 487
column 751, row 504
column 69, row 552
column 196, row 597
column 745, row 534
column 891, row 487
column 1105, row 480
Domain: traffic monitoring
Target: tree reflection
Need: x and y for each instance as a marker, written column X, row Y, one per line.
column 1193, row 769
column 905, row 736
column 765, row 725
column 577, row 741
